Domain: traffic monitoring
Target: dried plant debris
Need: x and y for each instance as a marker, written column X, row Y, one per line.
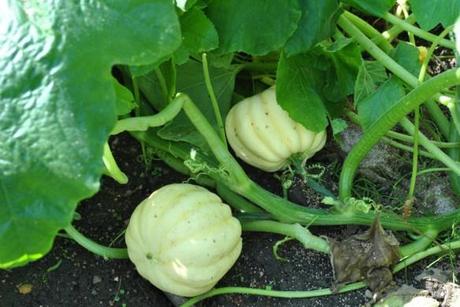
column 365, row 256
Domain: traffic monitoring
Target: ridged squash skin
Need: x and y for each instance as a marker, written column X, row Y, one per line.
column 262, row 134
column 183, row 239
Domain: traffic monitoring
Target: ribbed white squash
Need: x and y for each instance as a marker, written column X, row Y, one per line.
column 262, row 134
column 183, row 239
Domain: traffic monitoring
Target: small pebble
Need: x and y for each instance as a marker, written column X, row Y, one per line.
column 96, row 279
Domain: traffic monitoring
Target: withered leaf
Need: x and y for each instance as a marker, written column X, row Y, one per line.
column 366, row 256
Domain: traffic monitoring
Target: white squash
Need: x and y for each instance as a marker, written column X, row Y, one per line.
column 183, row 239
column 262, row 134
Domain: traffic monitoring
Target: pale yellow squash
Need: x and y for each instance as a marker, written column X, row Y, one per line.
column 183, row 239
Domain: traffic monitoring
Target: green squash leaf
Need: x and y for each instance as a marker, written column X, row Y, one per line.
column 125, row 99
column 297, row 91
column 316, row 24
column 190, row 80
column 59, row 106
column 254, row 27
column 431, row 13
column 379, row 102
column 408, row 57
column 371, row 75
column 373, row 7
column 345, row 59
column 199, row 35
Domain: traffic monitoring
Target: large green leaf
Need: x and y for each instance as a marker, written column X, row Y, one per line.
column 378, row 103
column 199, row 35
column 407, row 56
column 255, row 27
column 373, row 7
column 58, row 105
column 190, row 80
column 297, row 91
column 371, row 75
column 344, row 58
column 431, row 13
column 316, row 24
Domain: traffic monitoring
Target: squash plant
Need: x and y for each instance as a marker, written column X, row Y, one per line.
column 180, row 66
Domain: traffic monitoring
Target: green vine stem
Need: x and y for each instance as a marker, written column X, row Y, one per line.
column 142, row 123
column 271, row 293
column 404, row 137
column 433, row 150
column 395, row 68
column 212, row 96
column 369, row 31
column 235, row 178
column 417, row 31
column 388, row 120
column 104, row 251
column 111, row 166
column 425, row 240
column 442, row 248
column 296, row 231
column 236, row 201
column 407, row 148
column 320, row 292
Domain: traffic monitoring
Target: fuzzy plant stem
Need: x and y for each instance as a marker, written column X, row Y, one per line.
column 96, row 248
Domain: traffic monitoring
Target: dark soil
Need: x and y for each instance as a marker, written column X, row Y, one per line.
column 71, row 276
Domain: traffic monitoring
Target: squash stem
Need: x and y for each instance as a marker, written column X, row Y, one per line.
column 296, row 231
column 96, row 248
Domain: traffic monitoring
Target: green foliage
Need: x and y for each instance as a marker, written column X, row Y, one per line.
column 297, row 91
column 254, row 27
column 125, row 99
column 373, row 107
column 59, row 106
column 190, row 80
column 376, row 8
column 316, row 24
column 370, row 76
column 198, row 35
column 434, row 12
column 407, row 56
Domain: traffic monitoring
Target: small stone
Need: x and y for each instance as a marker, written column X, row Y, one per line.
column 96, row 279
column 25, row 289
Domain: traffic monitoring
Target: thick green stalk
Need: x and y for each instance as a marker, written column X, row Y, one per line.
column 426, row 239
column 111, row 166
column 296, row 231
column 395, row 68
column 388, row 120
column 417, row 31
column 142, row 123
column 369, row 31
column 215, row 143
column 104, row 251
column 443, row 248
